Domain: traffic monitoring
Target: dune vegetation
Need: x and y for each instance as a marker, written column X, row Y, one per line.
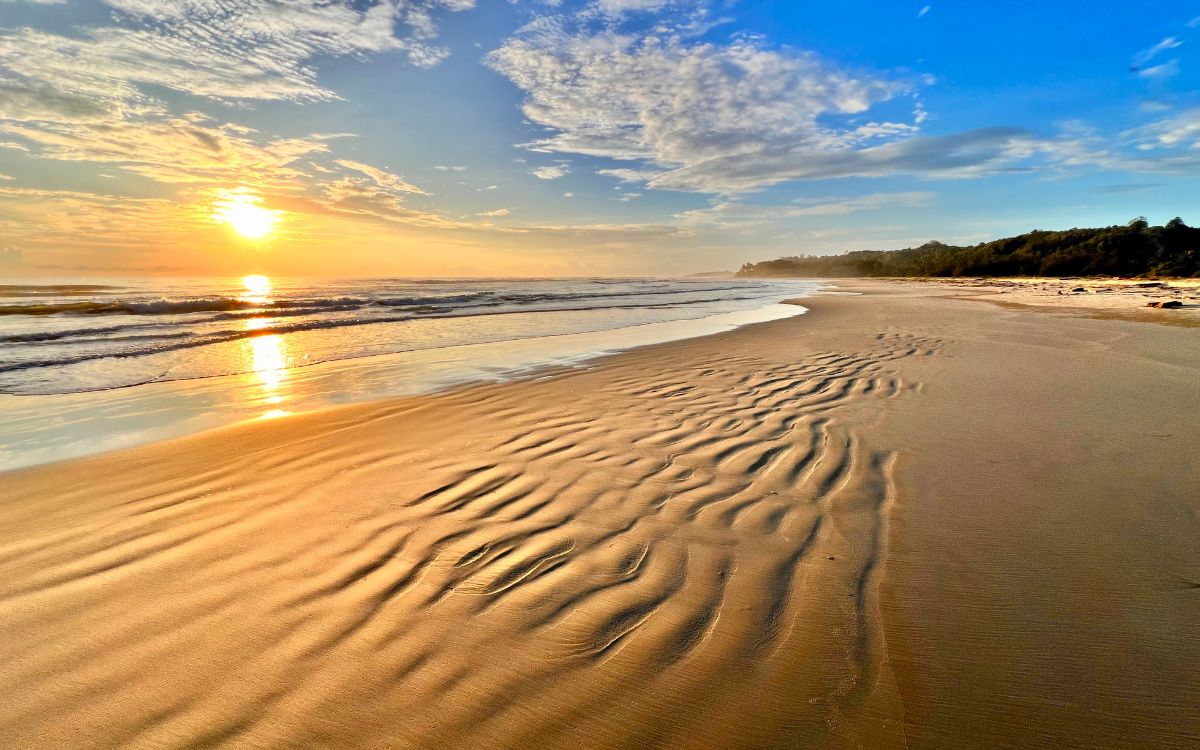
column 1134, row 249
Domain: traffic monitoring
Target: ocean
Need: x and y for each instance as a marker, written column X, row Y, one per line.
column 94, row 364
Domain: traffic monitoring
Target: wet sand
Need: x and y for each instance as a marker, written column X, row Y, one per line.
column 902, row 520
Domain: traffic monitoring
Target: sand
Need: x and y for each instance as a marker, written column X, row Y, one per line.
column 905, row 519
column 1122, row 299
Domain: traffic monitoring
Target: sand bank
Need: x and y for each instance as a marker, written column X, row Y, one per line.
column 900, row 520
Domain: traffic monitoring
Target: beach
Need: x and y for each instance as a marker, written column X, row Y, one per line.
column 910, row 517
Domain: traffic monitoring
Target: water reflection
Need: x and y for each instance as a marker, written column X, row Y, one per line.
column 38, row 429
column 257, row 289
column 268, row 362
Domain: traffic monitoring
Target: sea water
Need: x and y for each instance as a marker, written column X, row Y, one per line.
column 89, row 365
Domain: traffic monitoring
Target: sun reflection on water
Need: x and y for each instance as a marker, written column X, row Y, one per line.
column 257, row 289
column 269, row 362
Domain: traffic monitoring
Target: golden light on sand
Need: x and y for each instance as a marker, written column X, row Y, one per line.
column 245, row 214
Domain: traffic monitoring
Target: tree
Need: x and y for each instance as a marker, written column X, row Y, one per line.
column 1136, row 249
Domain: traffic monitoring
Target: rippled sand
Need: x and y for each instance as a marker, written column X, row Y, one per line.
column 793, row 534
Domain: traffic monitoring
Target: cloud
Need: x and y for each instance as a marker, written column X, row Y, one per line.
column 550, row 173
column 381, row 177
column 1149, row 54
column 496, row 212
column 175, row 150
column 738, row 117
column 62, row 220
column 618, row 7
column 359, row 200
column 629, row 175
column 35, row 100
column 959, row 155
column 222, row 49
column 735, row 214
column 85, row 97
column 1181, row 130
column 924, row 11
column 676, row 105
column 272, row 34
column 1170, row 145
column 1166, row 70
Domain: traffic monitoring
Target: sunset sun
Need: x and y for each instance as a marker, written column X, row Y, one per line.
column 246, row 216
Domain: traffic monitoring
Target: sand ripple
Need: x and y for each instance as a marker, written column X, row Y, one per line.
column 667, row 550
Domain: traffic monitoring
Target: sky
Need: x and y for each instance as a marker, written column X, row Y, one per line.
column 560, row 138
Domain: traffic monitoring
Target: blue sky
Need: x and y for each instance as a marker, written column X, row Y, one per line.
column 448, row 137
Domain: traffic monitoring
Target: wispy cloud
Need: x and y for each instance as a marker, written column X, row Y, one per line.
column 629, row 175
column 1181, row 130
column 735, row 214
column 1166, row 70
column 924, row 11
column 1150, row 53
column 381, row 177
column 172, row 150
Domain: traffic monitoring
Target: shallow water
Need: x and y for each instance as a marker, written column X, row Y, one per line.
column 86, row 335
column 153, row 365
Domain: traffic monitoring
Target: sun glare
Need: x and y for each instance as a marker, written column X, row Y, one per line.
column 257, row 285
column 269, row 361
column 244, row 213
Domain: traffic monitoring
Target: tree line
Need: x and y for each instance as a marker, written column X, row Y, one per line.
column 1134, row 249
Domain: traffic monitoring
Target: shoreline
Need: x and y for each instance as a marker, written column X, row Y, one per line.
column 128, row 416
column 897, row 519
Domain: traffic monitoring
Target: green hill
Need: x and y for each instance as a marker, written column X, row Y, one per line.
column 1135, row 249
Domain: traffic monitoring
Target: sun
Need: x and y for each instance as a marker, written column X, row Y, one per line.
column 244, row 213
